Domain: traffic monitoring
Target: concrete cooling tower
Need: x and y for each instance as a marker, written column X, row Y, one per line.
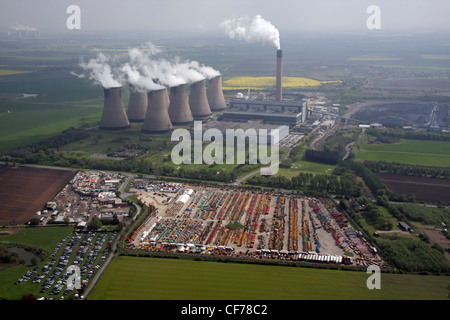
column 114, row 116
column 137, row 105
column 198, row 101
column 214, row 93
column 179, row 110
column 157, row 118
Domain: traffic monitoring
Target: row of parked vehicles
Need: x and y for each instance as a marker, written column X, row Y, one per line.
column 81, row 250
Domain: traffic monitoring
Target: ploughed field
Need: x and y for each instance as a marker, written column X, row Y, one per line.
column 428, row 190
column 25, row 191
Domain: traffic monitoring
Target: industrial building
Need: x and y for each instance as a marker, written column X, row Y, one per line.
column 266, row 111
column 248, row 129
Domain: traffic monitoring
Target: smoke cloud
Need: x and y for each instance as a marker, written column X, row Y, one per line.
column 145, row 70
column 255, row 30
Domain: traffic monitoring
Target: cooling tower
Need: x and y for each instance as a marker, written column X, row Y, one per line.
column 179, row 110
column 137, row 105
column 114, row 116
column 198, row 101
column 214, row 93
column 157, row 118
column 279, row 81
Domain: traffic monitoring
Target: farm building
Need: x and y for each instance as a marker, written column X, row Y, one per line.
column 404, row 226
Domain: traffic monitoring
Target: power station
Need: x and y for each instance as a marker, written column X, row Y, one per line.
column 137, row 105
column 179, row 110
column 159, row 112
column 214, row 94
column 157, row 118
column 114, row 116
column 198, row 101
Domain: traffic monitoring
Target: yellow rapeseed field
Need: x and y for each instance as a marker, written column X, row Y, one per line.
column 258, row 83
column 6, row 72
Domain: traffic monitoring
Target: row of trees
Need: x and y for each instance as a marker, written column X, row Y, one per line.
column 308, row 182
column 390, row 134
column 408, row 169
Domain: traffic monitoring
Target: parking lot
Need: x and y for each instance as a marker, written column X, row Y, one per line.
column 87, row 250
column 238, row 222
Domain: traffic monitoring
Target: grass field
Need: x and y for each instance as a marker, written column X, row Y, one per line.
column 420, row 152
column 44, row 238
column 25, row 123
column 167, row 279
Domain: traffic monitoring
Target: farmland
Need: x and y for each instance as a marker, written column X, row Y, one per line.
column 24, row 191
column 257, row 83
column 419, row 152
column 129, row 278
column 6, row 72
column 428, row 190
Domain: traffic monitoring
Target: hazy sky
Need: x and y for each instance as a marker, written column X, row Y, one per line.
column 202, row 16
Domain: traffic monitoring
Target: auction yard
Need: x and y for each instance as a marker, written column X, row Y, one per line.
column 247, row 224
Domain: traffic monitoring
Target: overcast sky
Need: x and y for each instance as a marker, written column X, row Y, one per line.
column 301, row 16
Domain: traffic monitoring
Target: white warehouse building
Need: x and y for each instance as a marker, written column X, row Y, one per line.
column 183, row 199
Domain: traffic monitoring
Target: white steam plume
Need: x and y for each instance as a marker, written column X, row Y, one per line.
column 254, row 30
column 145, row 70
column 100, row 71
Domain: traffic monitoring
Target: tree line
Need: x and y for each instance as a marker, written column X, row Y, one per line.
column 408, row 169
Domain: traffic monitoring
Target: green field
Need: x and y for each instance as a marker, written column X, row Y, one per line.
column 419, row 152
column 167, row 279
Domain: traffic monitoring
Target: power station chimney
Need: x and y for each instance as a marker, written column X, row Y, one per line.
column 157, row 118
column 198, row 101
column 279, row 81
column 179, row 110
column 137, row 105
column 114, row 116
column 214, row 94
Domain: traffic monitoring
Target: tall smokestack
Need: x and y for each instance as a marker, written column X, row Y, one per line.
column 157, row 118
column 198, row 101
column 214, row 94
column 114, row 116
column 179, row 110
column 279, row 81
column 137, row 105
